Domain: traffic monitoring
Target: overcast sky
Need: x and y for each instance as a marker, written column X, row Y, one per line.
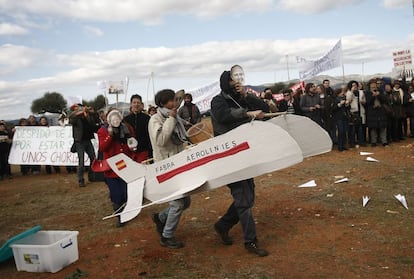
column 67, row 46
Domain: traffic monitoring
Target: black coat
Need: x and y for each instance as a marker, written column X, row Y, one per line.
column 340, row 112
column 376, row 116
column 229, row 108
column 83, row 127
column 409, row 106
column 227, row 115
column 139, row 122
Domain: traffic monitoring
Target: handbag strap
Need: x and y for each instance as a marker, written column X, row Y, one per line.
column 359, row 106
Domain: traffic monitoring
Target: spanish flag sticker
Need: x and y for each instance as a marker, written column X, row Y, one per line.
column 120, row 165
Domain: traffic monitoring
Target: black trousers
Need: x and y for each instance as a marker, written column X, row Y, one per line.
column 241, row 209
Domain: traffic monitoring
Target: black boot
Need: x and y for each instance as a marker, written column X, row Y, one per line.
column 224, row 235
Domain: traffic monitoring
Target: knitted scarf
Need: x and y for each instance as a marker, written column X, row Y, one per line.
column 179, row 135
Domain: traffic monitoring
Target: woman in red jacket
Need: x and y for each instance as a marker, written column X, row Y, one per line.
column 113, row 137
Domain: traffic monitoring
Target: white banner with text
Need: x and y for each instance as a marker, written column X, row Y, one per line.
column 34, row 145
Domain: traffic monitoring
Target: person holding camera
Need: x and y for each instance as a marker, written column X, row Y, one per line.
column 85, row 122
column 340, row 112
column 376, row 114
column 232, row 107
column 357, row 123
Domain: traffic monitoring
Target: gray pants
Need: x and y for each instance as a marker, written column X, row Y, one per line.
column 172, row 214
column 382, row 134
column 82, row 147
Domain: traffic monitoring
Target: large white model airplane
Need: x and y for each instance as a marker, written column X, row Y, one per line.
column 250, row 150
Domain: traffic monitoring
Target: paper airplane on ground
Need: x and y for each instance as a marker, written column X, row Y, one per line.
column 370, row 159
column 342, row 180
column 402, row 200
column 311, row 183
column 362, row 153
column 365, row 200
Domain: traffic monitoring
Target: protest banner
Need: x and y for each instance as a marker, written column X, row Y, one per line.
column 34, row 145
column 402, row 58
column 329, row 61
column 202, row 96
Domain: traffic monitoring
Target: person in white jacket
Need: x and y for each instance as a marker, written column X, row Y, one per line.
column 356, row 99
column 167, row 135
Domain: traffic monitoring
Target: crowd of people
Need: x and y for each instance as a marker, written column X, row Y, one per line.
column 352, row 115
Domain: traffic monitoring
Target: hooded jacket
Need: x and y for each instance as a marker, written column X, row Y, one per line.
column 229, row 108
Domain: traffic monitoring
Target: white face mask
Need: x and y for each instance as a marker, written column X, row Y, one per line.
column 237, row 74
column 115, row 121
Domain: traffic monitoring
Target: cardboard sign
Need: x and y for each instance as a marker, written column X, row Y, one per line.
column 402, row 58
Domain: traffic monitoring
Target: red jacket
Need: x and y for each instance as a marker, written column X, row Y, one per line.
column 111, row 147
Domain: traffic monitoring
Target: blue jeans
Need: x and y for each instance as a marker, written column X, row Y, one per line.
column 117, row 190
column 172, row 214
column 82, row 147
column 358, row 131
column 342, row 126
column 241, row 209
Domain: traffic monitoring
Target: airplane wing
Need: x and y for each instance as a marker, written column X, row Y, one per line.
column 178, row 194
column 311, row 138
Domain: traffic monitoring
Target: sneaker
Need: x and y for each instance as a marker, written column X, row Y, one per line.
column 158, row 223
column 171, row 243
column 224, row 235
column 252, row 247
column 81, row 184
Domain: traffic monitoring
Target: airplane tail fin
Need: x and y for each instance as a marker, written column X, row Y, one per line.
column 126, row 168
column 135, row 197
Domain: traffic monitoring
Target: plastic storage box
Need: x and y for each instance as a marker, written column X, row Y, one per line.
column 6, row 251
column 46, row 251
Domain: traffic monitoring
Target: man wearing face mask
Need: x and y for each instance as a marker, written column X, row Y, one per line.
column 230, row 109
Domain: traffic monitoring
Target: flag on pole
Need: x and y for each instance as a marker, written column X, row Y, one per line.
column 329, row 61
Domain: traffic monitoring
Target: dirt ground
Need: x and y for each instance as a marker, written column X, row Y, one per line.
column 318, row 232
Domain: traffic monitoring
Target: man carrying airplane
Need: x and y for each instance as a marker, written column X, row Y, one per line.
column 230, row 109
